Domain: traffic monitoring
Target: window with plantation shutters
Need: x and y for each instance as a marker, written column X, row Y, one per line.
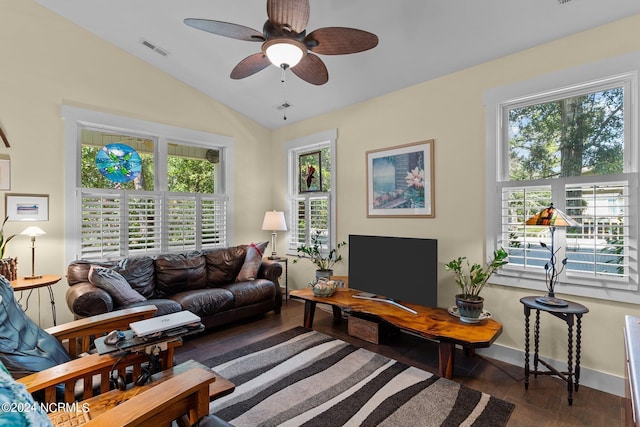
column 569, row 140
column 178, row 201
column 311, row 209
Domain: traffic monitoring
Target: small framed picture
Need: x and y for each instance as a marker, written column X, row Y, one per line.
column 310, row 172
column 27, row 207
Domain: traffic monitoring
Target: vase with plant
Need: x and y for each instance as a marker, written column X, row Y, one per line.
column 8, row 266
column 323, row 259
column 471, row 279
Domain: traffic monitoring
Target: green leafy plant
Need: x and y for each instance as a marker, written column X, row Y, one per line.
column 472, row 279
column 322, row 259
column 3, row 241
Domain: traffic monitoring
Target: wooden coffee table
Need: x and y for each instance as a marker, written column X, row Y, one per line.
column 431, row 323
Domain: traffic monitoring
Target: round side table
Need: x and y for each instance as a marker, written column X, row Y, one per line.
column 571, row 314
column 23, row 284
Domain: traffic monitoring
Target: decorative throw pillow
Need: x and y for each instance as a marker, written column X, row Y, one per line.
column 116, row 285
column 252, row 262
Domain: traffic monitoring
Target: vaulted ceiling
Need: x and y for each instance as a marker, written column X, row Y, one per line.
column 418, row 40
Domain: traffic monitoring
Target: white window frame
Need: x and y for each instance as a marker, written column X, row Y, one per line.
column 603, row 73
column 293, row 149
column 77, row 119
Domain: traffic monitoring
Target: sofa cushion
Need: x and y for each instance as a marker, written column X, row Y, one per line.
column 223, row 265
column 179, row 272
column 165, row 306
column 251, row 292
column 116, row 285
column 139, row 272
column 205, row 302
column 252, row 261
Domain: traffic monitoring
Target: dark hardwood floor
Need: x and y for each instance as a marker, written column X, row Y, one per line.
column 544, row 404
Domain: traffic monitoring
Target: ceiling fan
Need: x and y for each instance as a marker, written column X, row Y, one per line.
column 286, row 44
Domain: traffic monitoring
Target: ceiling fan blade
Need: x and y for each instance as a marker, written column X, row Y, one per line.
column 291, row 14
column 312, row 70
column 340, row 40
column 250, row 65
column 226, row 29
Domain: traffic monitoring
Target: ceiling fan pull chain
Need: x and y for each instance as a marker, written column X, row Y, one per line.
column 283, row 79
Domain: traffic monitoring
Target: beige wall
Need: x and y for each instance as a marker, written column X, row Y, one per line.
column 47, row 62
column 450, row 110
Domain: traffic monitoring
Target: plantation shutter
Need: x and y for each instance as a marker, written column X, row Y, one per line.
column 214, row 221
column 118, row 223
column 600, row 247
column 144, row 223
column 310, row 215
column 100, row 226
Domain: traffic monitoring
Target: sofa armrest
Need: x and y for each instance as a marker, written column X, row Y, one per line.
column 85, row 300
column 270, row 270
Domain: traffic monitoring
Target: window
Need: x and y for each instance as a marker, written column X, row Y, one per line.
column 311, row 166
column 567, row 139
column 178, row 201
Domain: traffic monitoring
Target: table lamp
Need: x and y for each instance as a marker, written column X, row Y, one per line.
column 33, row 232
column 553, row 218
column 274, row 221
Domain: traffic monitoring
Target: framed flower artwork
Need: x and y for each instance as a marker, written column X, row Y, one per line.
column 400, row 181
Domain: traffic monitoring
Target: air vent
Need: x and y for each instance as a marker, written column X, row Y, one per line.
column 563, row 1
column 284, row 106
column 155, row 48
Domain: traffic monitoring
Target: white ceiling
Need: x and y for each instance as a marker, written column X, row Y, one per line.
column 419, row 40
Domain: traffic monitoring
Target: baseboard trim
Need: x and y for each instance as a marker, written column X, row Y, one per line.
column 598, row 380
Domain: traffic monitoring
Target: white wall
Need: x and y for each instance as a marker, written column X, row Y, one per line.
column 451, row 111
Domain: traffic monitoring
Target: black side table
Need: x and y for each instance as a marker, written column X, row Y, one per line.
column 285, row 261
column 573, row 311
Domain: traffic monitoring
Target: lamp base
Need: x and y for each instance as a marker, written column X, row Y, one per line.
column 552, row 301
column 33, row 277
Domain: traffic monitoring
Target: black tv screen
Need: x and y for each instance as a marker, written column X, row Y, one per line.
column 400, row 268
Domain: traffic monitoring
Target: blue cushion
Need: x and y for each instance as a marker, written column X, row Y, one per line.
column 24, row 346
column 15, row 395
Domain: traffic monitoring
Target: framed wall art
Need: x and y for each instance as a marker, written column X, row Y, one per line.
column 27, row 207
column 310, row 172
column 5, row 172
column 400, row 181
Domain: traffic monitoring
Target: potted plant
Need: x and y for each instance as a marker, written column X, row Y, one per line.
column 324, row 261
column 471, row 280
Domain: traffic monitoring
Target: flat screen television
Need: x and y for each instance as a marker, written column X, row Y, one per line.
column 401, row 268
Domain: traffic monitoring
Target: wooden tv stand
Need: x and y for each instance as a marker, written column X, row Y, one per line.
column 432, row 323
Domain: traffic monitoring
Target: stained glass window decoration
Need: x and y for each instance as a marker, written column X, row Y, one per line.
column 119, row 162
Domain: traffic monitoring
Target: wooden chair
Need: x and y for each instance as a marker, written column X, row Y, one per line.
column 94, row 370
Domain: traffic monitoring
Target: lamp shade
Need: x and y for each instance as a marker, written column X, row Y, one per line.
column 274, row 221
column 284, row 52
column 552, row 217
column 33, row 231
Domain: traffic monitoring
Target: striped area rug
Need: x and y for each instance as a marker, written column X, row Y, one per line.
column 303, row 377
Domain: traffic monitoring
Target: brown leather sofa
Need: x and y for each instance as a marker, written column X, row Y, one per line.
column 203, row 282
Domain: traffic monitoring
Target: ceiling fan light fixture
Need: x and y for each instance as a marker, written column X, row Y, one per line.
column 284, row 53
